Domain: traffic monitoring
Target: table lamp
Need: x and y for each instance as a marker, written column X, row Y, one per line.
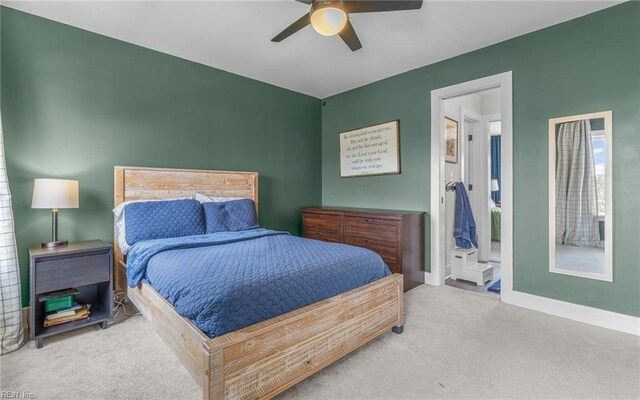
column 55, row 194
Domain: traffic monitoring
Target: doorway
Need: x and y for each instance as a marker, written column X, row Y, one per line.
column 473, row 169
column 471, row 165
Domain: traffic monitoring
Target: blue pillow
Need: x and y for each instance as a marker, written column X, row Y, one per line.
column 215, row 217
column 163, row 219
column 235, row 215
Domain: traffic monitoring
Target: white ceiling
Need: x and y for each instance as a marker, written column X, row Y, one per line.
column 235, row 35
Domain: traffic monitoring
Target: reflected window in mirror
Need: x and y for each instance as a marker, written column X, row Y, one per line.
column 580, row 196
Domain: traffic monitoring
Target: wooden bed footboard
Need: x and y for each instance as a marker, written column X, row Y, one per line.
column 265, row 359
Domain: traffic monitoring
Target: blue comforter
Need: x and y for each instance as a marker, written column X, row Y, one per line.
column 226, row 281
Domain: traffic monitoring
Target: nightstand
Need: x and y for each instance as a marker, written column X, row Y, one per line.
column 86, row 266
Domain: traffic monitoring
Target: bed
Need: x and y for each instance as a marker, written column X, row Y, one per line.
column 265, row 358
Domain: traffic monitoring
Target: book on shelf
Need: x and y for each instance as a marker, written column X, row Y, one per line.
column 59, row 293
column 60, row 314
column 67, row 315
column 65, row 312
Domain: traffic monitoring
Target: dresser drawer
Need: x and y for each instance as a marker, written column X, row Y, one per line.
column 325, row 227
column 363, row 241
column 320, row 235
column 380, row 230
column 57, row 274
column 322, row 222
column 387, row 250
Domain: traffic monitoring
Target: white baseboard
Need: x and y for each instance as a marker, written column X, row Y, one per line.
column 594, row 316
column 576, row 312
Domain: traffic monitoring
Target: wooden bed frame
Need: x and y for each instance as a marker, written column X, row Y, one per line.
column 264, row 359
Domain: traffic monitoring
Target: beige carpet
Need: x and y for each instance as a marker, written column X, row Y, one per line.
column 456, row 345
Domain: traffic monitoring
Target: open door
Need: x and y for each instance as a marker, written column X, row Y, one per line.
column 476, row 175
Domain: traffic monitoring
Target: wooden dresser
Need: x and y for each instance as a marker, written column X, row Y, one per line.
column 397, row 236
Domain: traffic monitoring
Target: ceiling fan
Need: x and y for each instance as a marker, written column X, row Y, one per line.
column 331, row 17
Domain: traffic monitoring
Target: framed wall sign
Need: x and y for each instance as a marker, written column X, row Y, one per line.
column 451, row 140
column 371, row 150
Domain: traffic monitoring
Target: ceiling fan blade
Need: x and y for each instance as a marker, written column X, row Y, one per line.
column 293, row 28
column 364, row 6
column 348, row 34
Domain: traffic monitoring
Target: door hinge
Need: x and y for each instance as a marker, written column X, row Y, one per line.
column 470, row 138
column 470, row 187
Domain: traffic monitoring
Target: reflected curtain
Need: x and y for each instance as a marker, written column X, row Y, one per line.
column 576, row 195
column 11, row 329
column 495, row 166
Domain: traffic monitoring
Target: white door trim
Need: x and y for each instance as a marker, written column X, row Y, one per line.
column 504, row 82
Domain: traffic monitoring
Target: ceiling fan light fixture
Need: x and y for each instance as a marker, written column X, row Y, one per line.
column 328, row 18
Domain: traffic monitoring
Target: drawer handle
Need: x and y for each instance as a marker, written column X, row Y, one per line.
column 368, row 220
column 367, row 241
column 459, row 257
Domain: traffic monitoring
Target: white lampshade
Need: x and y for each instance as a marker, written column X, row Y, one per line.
column 494, row 185
column 328, row 18
column 55, row 193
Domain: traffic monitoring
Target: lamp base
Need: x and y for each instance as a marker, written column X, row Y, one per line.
column 57, row 243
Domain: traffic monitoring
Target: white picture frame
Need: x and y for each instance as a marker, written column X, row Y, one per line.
column 370, row 150
column 607, row 276
column 451, row 136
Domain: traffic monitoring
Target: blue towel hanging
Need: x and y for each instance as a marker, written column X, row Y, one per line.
column 464, row 226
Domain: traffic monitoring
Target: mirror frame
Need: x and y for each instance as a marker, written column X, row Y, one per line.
column 608, row 223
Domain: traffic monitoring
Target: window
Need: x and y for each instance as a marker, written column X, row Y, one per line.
column 600, row 157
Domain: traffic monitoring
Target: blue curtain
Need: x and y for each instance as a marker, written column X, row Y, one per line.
column 495, row 166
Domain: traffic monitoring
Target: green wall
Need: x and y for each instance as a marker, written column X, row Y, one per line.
column 554, row 74
column 74, row 104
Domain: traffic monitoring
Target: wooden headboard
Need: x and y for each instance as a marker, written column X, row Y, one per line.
column 141, row 183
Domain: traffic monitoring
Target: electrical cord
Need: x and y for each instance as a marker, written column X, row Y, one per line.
column 120, row 304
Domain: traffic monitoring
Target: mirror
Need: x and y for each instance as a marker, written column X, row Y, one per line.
column 580, row 196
